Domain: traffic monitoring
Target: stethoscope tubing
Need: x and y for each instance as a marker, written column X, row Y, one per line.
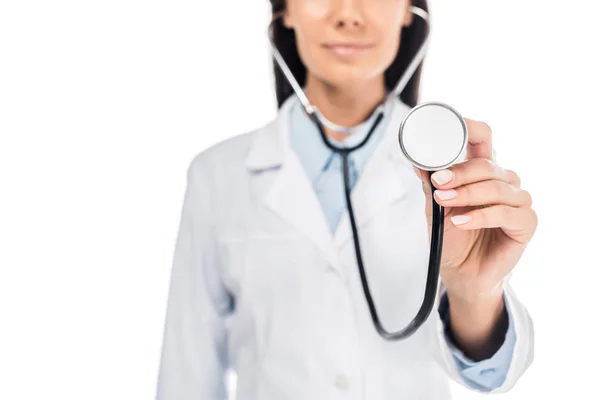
column 437, row 231
column 435, row 254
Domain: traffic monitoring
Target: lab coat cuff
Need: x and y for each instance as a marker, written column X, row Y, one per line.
column 484, row 375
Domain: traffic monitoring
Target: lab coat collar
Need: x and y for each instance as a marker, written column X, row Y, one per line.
column 271, row 145
column 291, row 196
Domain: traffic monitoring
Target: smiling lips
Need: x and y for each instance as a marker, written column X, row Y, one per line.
column 347, row 50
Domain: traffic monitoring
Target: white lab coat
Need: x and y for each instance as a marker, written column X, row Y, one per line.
column 259, row 283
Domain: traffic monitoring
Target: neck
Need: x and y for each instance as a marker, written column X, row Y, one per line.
column 346, row 106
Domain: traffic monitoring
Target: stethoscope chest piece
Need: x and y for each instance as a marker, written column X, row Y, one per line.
column 433, row 136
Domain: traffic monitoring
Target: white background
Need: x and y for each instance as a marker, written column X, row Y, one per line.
column 104, row 103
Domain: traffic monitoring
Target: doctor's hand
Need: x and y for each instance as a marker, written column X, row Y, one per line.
column 488, row 219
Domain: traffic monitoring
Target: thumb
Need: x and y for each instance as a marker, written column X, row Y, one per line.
column 425, row 178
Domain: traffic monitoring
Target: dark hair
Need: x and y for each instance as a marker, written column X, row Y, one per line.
column 411, row 40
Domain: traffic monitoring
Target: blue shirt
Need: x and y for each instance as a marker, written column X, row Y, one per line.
column 323, row 168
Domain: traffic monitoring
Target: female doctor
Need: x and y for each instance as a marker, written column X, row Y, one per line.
column 265, row 279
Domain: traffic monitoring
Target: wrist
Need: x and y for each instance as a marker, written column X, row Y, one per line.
column 478, row 324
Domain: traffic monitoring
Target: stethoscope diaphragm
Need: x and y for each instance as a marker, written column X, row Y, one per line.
column 433, row 136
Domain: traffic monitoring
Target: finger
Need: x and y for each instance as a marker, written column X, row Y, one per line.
column 484, row 193
column 513, row 178
column 470, row 171
column 480, row 139
column 519, row 223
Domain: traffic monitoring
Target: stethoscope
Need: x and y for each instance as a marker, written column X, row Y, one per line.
column 432, row 136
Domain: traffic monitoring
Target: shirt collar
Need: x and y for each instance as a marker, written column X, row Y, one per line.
column 315, row 156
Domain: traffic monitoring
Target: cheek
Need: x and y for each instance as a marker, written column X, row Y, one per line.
column 389, row 47
column 307, row 15
column 310, row 35
column 308, row 44
column 389, row 31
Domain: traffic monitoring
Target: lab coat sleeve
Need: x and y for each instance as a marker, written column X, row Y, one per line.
column 518, row 350
column 193, row 360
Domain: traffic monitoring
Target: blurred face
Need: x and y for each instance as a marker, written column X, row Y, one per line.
column 347, row 42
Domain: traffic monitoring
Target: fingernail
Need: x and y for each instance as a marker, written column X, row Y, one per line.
column 460, row 219
column 442, row 177
column 446, row 194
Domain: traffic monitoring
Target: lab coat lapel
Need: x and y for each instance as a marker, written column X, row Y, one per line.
column 380, row 183
column 290, row 194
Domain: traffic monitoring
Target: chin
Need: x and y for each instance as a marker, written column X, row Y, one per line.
column 349, row 77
